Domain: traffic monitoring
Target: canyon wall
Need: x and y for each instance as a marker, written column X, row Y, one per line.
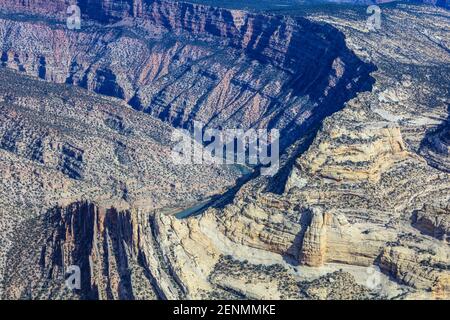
column 355, row 197
column 105, row 243
column 183, row 62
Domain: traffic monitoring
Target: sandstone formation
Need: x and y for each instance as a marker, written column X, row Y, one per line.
column 224, row 68
column 358, row 209
column 407, row 266
column 436, row 148
column 433, row 220
column 362, row 157
column 60, row 146
column 315, row 240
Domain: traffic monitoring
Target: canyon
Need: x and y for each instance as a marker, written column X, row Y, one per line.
column 85, row 145
column 183, row 63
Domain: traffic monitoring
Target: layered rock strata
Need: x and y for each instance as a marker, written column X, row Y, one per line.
column 182, row 62
column 353, row 199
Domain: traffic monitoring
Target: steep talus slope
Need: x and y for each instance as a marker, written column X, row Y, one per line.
column 100, row 145
column 182, row 62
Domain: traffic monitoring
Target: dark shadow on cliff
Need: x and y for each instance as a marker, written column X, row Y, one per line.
column 320, row 66
column 308, row 80
column 82, row 235
column 430, row 145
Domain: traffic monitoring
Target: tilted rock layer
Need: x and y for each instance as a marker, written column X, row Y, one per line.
column 363, row 184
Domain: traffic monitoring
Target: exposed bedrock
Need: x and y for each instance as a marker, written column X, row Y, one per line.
column 364, row 156
column 224, row 68
column 129, row 254
column 436, row 146
column 349, row 199
column 315, row 240
column 434, row 221
column 418, row 270
column 116, row 251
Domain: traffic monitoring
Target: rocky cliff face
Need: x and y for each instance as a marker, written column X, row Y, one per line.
column 368, row 189
column 436, row 147
column 103, row 242
column 61, row 145
column 132, row 255
column 182, row 62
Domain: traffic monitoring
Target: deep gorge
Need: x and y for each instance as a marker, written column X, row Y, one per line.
column 183, row 62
